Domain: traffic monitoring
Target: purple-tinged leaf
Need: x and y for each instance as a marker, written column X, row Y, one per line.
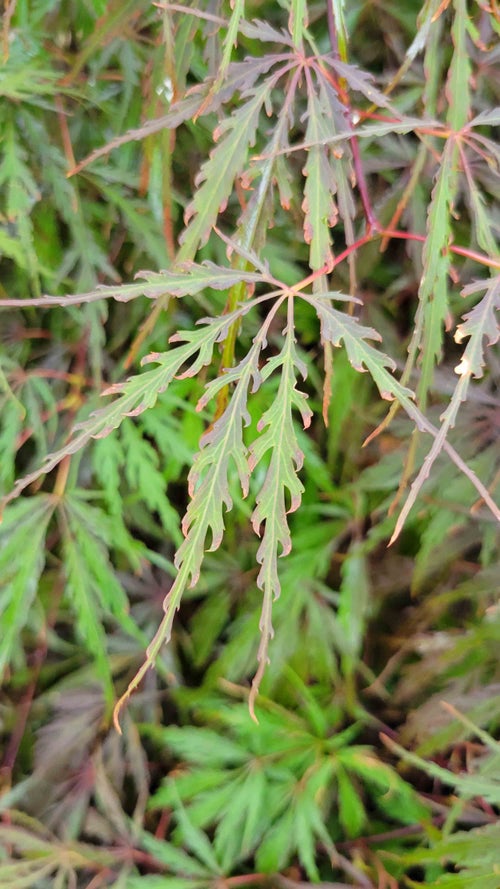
column 486, row 118
column 184, row 110
column 263, row 31
column 361, row 82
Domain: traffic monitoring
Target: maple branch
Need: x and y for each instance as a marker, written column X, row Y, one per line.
column 481, row 258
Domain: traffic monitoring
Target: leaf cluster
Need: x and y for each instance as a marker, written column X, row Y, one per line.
column 215, row 452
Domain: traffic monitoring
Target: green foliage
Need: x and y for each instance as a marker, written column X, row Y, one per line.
column 304, row 375
column 278, row 788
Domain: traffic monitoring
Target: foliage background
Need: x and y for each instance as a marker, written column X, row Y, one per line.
column 314, row 178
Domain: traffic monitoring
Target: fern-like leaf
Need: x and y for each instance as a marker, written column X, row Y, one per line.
column 479, row 324
column 22, row 558
column 138, row 393
column 281, row 479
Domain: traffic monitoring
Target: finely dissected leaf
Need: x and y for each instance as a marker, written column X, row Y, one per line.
column 281, row 481
column 425, row 20
column 183, row 110
column 340, row 158
column 209, row 490
column 299, row 828
column 433, row 292
column 255, row 804
column 298, row 22
column 203, row 746
column 491, row 117
column 139, row 392
column 258, row 29
column 309, row 825
column 370, row 131
column 471, row 878
column 231, row 38
column 11, row 422
column 21, row 189
column 227, row 160
column 88, row 620
column 42, row 854
column 391, row 793
column 457, row 87
column 360, row 81
column 476, row 851
column 209, row 476
column 22, row 558
column 144, row 478
column 467, row 785
column 337, row 327
column 188, row 279
column 275, row 848
column 94, row 533
column 479, row 324
column 21, row 194
column 339, row 17
column 320, row 186
column 247, row 801
column 155, row 881
column 483, row 224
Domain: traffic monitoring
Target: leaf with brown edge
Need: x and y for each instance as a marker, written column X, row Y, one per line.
column 136, row 394
column 215, row 180
column 320, row 212
column 281, row 481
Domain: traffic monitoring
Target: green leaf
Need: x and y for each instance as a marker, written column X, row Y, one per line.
column 203, row 746
column 216, row 178
column 392, row 794
column 353, row 608
column 22, row 559
column 479, row 324
column 150, row 881
column 471, row 848
column 352, row 814
column 188, row 279
column 138, row 393
column 274, row 851
column 467, row 785
column 177, row 860
column 457, row 86
column 280, row 482
column 320, row 185
column 196, row 840
column 81, row 593
column 478, row 878
column 298, row 22
column 433, row 291
column 144, row 478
